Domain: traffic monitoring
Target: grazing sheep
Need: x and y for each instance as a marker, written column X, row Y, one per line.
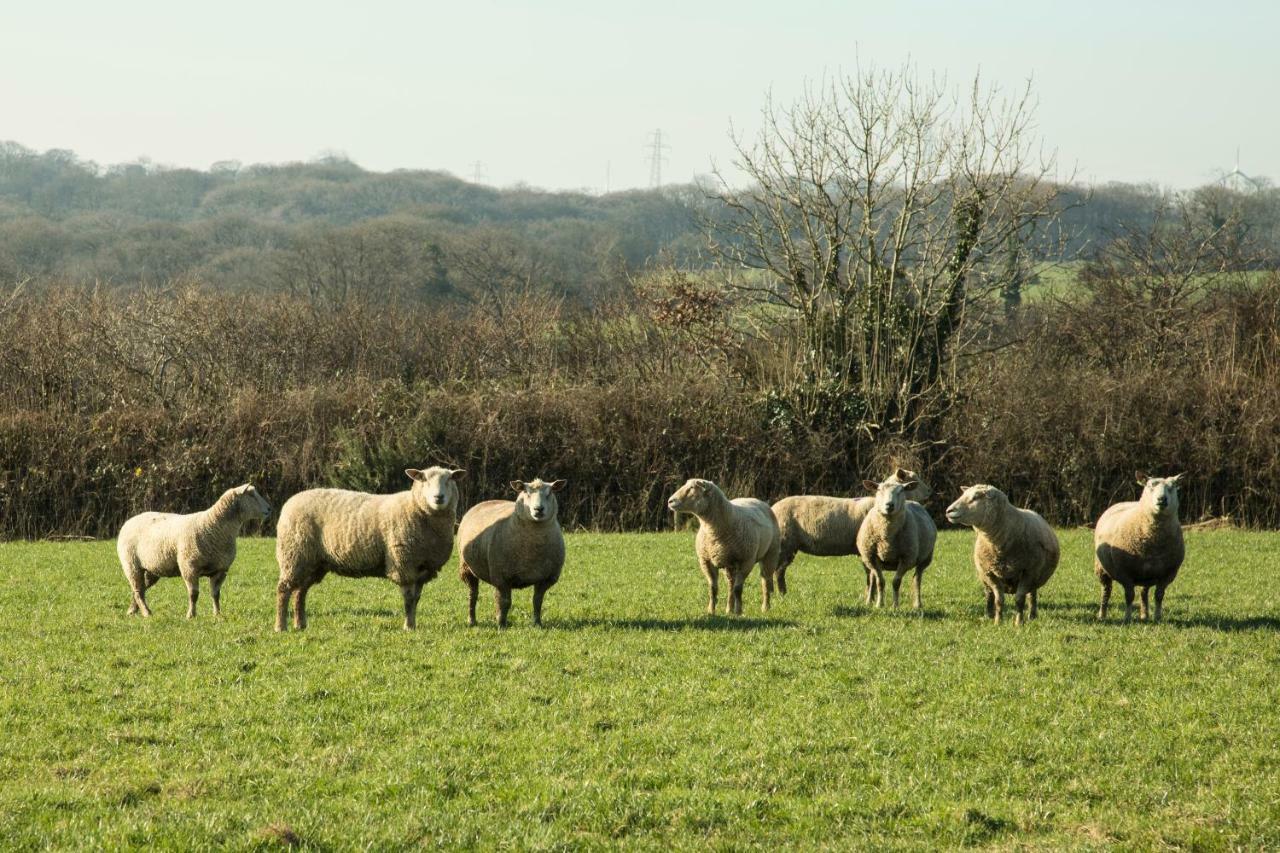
column 828, row 527
column 1139, row 543
column 405, row 537
column 896, row 535
column 733, row 536
column 157, row 545
column 1016, row 550
column 513, row 545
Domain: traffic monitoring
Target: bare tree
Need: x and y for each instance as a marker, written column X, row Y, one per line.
column 880, row 209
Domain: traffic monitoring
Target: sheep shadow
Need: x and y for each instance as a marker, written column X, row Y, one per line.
column 1087, row 614
column 697, row 623
column 1228, row 624
column 862, row 611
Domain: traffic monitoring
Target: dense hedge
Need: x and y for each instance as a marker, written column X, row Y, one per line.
column 117, row 403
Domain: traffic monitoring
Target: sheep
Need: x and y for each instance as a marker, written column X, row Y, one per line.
column 1016, row 550
column 896, row 535
column 828, row 527
column 1139, row 543
column 405, row 537
column 512, row 545
column 732, row 536
column 156, row 545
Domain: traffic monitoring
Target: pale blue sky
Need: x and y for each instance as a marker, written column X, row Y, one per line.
column 552, row 92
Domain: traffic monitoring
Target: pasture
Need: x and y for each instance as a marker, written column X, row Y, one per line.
column 635, row 719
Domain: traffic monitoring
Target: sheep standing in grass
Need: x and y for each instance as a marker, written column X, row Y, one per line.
column 405, row 537
column 1139, row 543
column 828, row 527
column 157, row 545
column 732, row 536
column 1016, row 550
column 513, row 545
column 897, row 535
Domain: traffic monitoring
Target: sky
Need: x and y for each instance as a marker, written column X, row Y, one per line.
column 565, row 94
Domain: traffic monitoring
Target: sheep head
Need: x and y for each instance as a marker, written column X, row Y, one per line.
column 977, row 506
column 693, row 497
column 435, row 490
column 536, row 500
column 1160, row 494
column 891, row 496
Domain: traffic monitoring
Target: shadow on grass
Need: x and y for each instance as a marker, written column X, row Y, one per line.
column 1219, row 622
column 856, row 611
column 1087, row 614
column 698, row 623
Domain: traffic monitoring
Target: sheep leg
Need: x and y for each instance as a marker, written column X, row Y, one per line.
column 139, row 583
column 768, row 570
column 1159, row 614
column 991, row 603
column 999, row 599
column 538, row 592
column 1020, row 600
column 502, row 600
column 283, row 591
column 916, row 600
column 870, row 582
column 411, row 592
column 300, row 606
column 735, row 592
column 784, row 561
column 1128, row 603
column 193, row 593
column 1143, row 605
column 878, row 582
column 897, row 583
column 215, row 589
column 713, row 581
column 473, row 593
column 1035, row 603
column 1106, row 597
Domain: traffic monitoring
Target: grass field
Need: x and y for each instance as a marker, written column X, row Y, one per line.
column 634, row 719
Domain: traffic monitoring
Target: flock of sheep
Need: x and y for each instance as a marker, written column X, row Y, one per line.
column 408, row 536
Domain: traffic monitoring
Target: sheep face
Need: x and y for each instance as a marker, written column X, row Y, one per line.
column 693, row 497
column 977, row 506
column 435, row 490
column 536, row 500
column 1160, row 494
column 250, row 503
column 891, row 496
column 919, row 492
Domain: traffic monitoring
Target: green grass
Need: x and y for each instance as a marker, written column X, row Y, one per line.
column 634, row 719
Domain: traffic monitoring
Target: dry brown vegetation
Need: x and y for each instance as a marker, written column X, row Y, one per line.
column 116, row 402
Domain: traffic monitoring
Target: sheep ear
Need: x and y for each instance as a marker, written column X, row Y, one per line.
column 1141, row 477
column 245, row 489
column 870, row 484
column 413, row 474
column 1176, row 479
column 910, row 484
column 558, row 485
column 458, row 474
column 517, row 486
column 903, row 474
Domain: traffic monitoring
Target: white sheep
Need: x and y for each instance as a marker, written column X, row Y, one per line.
column 405, row 537
column 1016, row 550
column 156, row 545
column 513, row 545
column 897, row 535
column 732, row 536
column 828, row 527
column 1139, row 543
